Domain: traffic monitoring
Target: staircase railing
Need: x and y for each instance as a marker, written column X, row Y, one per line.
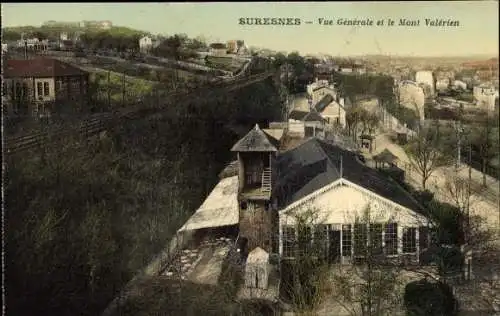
column 266, row 180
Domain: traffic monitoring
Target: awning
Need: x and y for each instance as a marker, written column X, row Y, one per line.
column 219, row 209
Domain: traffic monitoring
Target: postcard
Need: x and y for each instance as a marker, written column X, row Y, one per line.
column 254, row 158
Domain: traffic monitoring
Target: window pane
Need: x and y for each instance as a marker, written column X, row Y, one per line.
column 346, row 240
column 321, row 240
column 423, row 238
column 409, row 240
column 39, row 88
column 391, row 239
column 360, row 239
column 376, row 238
column 46, row 88
column 288, row 241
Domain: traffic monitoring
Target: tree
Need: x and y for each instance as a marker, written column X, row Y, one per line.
column 424, row 153
column 370, row 287
column 305, row 277
column 485, row 144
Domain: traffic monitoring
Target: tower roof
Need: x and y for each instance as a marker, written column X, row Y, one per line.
column 256, row 140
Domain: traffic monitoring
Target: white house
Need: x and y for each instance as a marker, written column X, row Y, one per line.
column 218, row 49
column 442, row 84
column 426, row 77
column 5, row 48
column 306, row 124
column 459, row 84
column 412, row 96
column 485, row 96
column 145, row 44
column 319, row 88
column 338, row 190
column 331, row 110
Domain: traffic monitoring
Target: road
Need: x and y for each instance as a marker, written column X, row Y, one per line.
column 485, row 203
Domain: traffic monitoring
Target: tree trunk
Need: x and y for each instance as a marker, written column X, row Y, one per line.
column 424, row 182
column 484, row 165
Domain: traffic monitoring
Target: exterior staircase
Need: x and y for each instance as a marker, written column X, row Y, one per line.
column 266, row 180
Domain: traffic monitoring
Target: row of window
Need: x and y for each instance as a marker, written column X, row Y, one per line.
column 357, row 239
column 42, row 89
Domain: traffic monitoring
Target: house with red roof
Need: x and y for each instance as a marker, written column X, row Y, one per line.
column 44, row 85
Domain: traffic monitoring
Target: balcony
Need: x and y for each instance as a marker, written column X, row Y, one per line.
column 258, row 190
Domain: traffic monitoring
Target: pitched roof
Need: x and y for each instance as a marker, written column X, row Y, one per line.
column 385, row 156
column 324, row 102
column 315, row 164
column 313, row 116
column 297, row 115
column 258, row 255
column 217, row 45
column 256, row 140
column 40, row 67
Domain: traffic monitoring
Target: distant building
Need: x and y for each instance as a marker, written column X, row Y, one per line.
column 218, row 49
column 485, row 96
column 33, row 44
column 5, row 48
column 331, row 110
column 232, row 47
column 44, row 86
column 146, row 44
column 412, row 96
column 319, row 88
column 61, row 24
column 104, row 25
column 442, row 84
column 459, row 84
column 427, row 78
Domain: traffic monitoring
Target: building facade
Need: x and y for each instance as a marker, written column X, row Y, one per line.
column 485, row 97
column 44, row 85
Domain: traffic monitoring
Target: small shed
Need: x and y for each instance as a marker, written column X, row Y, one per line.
column 367, row 141
column 385, row 158
column 257, row 269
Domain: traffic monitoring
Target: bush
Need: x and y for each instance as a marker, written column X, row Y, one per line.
column 424, row 298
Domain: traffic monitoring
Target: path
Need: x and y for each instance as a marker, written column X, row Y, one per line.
column 486, row 203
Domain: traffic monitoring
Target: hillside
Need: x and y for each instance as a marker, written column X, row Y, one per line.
column 52, row 32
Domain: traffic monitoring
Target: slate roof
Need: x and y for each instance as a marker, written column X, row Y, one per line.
column 324, row 102
column 315, row 164
column 385, row 156
column 40, row 68
column 297, row 115
column 313, row 116
column 256, row 141
column 305, row 116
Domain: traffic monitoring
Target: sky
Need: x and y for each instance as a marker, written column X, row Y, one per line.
column 477, row 33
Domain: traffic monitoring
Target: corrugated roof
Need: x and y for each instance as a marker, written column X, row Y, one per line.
column 219, row 209
column 40, row 67
column 256, row 141
column 315, row 164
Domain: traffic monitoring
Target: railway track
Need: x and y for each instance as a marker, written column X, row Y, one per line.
column 102, row 121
